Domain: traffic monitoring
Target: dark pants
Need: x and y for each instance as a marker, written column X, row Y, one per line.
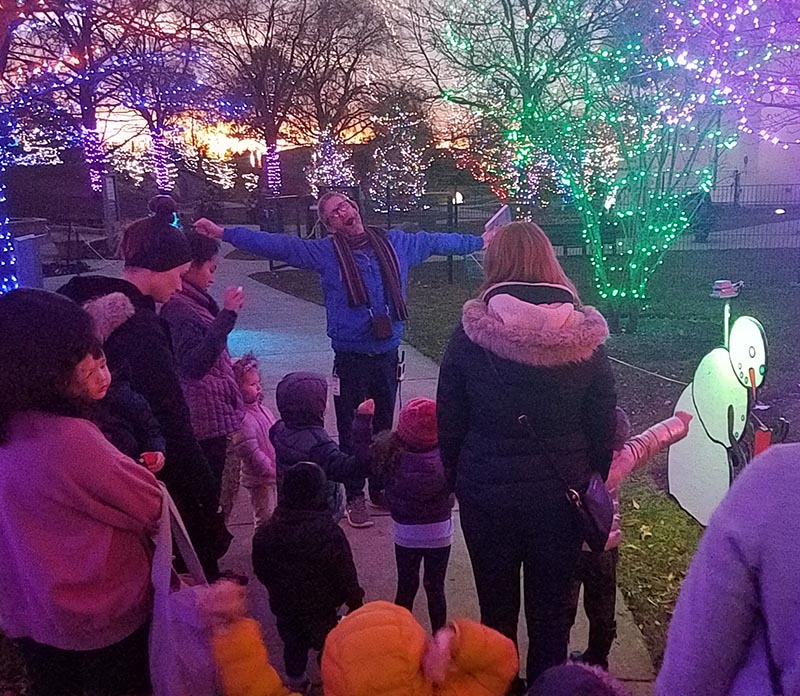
column 298, row 640
column 538, row 536
column 408, row 563
column 364, row 376
column 216, row 449
column 118, row 669
column 597, row 572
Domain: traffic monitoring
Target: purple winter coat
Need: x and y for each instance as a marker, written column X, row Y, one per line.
column 742, row 590
column 417, row 492
column 199, row 331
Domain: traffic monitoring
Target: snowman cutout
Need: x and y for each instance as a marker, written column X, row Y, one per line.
column 719, row 397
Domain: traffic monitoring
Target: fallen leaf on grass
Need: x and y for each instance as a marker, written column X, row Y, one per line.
column 645, row 532
column 636, row 505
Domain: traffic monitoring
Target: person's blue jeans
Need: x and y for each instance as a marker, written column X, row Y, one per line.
column 364, row 376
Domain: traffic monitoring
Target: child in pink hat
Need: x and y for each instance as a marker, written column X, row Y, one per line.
column 420, row 501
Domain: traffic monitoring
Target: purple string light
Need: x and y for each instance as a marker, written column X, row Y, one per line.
column 95, row 157
column 271, row 170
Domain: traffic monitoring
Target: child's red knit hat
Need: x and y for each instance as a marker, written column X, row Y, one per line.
column 416, row 425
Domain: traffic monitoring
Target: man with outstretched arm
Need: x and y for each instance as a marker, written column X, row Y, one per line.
column 363, row 273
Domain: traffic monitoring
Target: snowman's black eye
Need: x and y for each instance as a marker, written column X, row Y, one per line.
column 752, row 351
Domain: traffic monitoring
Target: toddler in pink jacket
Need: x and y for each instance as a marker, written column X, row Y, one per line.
column 597, row 572
column 251, row 443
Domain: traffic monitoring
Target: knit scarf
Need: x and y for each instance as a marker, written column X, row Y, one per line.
column 390, row 271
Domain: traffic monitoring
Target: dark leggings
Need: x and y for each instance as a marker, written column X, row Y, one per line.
column 597, row 572
column 298, row 640
column 408, row 563
column 364, row 377
column 121, row 669
column 215, row 449
column 540, row 540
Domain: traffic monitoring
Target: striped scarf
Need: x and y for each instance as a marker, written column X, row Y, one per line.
column 390, row 271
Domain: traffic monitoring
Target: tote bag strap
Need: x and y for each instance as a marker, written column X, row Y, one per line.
column 171, row 525
column 185, row 546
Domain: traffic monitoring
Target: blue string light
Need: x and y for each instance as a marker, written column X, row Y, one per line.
column 8, row 260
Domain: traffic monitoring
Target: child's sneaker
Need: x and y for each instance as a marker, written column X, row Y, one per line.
column 357, row 514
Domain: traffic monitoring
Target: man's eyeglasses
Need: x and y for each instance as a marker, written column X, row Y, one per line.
column 340, row 209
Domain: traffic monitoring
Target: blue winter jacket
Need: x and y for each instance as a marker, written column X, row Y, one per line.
column 349, row 327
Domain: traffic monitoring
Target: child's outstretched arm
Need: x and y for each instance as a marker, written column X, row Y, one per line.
column 340, row 466
column 640, row 448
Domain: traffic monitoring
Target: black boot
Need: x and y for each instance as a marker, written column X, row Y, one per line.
column 517, row 687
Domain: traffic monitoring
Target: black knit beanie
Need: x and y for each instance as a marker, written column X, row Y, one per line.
column 154, row 242
column 304, row 487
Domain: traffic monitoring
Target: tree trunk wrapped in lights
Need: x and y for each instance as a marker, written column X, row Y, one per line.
column 8, row 278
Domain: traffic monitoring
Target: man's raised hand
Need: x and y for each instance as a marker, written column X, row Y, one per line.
column 208, row 228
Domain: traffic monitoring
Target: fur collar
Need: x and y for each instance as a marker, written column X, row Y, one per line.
column 109, row 313
column 542, row 335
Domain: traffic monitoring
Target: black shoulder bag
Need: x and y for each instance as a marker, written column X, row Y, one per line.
column 594, row 508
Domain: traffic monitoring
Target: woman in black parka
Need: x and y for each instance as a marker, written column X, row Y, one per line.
column 528, row 347
column 138, row 341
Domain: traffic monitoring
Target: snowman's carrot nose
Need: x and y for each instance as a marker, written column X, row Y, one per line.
column 753, row 381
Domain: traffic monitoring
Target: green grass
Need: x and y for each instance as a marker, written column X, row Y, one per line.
column 677, row 327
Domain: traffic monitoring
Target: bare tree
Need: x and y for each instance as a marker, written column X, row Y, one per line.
column 336, row 101
column 77, row 46
column 336, row 95
column 262, row 51
column 160, row 83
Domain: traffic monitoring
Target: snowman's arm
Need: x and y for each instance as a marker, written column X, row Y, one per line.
column 599, row 415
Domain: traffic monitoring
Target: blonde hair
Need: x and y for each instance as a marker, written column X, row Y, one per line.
column 243, row 365
column 521, row 253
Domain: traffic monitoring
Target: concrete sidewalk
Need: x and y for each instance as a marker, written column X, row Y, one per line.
column 288, row 334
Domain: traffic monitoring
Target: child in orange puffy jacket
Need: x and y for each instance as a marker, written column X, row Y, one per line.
column 381, row 650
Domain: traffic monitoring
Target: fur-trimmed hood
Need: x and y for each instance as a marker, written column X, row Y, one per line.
column 109, row 313
column 110, row 301
column 539, row 334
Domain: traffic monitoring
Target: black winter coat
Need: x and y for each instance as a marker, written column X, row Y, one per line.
column 138, row 341
column 304, row 560
column 529, row 352
column 300, row 435
column 126, row 419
